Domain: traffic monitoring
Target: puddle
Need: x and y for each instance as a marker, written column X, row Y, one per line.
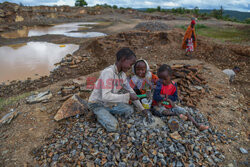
column 33, row 59
column 68, row 29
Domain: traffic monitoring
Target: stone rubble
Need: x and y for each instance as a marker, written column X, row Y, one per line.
column 78, row 142
column 151, row 26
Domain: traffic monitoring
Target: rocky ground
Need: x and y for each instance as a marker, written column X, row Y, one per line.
column 35, row 138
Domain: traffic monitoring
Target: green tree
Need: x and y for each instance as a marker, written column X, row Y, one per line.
column 215, row 13
column 196, row 10
column 158, row 8
column 81, row 3
column 221, row 11
column 115, row 7
column 247, row 21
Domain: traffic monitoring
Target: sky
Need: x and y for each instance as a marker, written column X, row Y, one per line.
column 239, row 5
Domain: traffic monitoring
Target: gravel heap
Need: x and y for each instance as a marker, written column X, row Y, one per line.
column 78, row 142
column 151, row 26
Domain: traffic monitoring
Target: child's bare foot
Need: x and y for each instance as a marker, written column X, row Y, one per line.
column 183, row 117
column 203, row 127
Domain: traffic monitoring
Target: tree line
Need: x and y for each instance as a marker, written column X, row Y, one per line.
column 216, row 13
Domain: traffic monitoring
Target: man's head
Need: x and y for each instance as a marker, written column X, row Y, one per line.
column 125, row 58
column 140, row 68
column 236, row 69
column 165, row 73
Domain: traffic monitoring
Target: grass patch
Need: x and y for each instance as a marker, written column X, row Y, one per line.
column 197, row 26
column 200, row 26
column 222, row 34
column 225, row 34
column 12, row 100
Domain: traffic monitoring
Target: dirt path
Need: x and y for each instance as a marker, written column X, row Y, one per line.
column 28, row 130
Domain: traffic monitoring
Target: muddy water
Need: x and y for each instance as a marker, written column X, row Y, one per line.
column 68, row 29
column 33, row 59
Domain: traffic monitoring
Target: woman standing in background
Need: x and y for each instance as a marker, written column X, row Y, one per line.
column 189, row 42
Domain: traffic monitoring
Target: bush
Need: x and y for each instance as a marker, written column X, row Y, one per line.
column 247, row 21
column 158, row 8
column 151, row 10
column 81, row 3
column 199, row 26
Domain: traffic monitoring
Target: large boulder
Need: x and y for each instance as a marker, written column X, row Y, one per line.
column 73, row 106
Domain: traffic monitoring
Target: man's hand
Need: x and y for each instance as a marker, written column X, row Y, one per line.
column 133, row 97
column 171, row 102
column 165, row 97
column 148, row 115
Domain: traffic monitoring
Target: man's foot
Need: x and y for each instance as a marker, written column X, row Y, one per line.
column 187, row 55
column 183, row 117
column 203, row 127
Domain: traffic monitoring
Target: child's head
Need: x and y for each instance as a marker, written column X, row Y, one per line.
column 126, row 58
column 236, row 69
column 140, row 68
column 165, row 74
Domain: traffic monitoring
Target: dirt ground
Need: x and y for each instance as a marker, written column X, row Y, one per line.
column 35, row 121
column 229, row 112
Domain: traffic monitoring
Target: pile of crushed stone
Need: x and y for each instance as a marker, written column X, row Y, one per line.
column 78, row 142
column 151, row 26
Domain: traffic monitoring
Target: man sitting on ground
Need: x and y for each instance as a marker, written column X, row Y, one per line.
column 106, row 99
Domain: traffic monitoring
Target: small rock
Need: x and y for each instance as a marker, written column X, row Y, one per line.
column 163, row 162
column 55, row 157
column 171, row 148
column 145, row 159
column 209, row 148
column 197, row 155
column 173, row 124
column 98, row 161
column 41, row 97
column 243, row 151
column 191, row 165
column 122, row 164
column 175, row 136
column 5, row 152
column 179, row 164
column 136, row 164
column 9, row 117
column 161, row 156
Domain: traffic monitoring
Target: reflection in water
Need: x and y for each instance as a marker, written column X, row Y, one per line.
column 17, row 34
column 18, row 63
column 68, row 29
